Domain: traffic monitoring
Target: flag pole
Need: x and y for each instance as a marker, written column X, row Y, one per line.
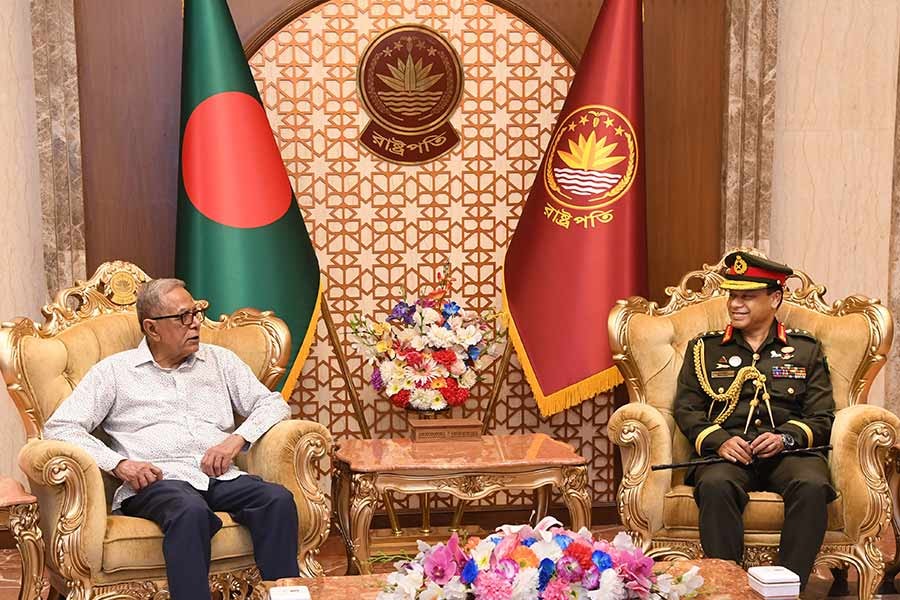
column 354, row 399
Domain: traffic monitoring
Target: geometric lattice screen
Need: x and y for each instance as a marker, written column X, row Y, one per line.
column 380, row 228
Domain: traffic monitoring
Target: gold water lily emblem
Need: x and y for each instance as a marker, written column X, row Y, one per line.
column 592, row 160
column 410, row 83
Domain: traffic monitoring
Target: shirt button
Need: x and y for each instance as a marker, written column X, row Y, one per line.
column 755, row 356
column 757, row 422
column 721, row 390
column 790, row 390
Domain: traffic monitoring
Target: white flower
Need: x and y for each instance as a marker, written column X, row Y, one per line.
column 429, row 316
column 468, row 379
column 547, row 549
column 482, row 553
column 455, row 589
column 526, row 584
column 419, row 342
column 623, row 541
column 432, row 591
column 611, row 587
column 406, row 583
column 406, row 335
column 469, row 335
column 390, row 371
column 683, row 586
column 426, row 399
column 429, row 369
column 440, row 337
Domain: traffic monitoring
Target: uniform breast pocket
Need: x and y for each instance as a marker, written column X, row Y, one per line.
column 788, row 389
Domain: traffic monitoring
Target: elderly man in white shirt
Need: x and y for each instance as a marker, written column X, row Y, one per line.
column 168, row 409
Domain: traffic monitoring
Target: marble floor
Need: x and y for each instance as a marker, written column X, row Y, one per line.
column 334, row 562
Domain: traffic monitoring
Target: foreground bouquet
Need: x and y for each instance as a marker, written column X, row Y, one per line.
column 427, row 353
column 544, row 563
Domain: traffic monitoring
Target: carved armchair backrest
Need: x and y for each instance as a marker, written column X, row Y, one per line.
column 648, row 341
column 42, row 363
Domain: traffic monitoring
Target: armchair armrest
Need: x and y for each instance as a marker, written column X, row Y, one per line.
column 72, row 498
column 860, row 439
column 288, row 455
column 23, row 517
column 642, row 433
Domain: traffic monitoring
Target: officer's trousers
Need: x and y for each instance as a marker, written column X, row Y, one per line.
column 803, row 482
column 186, row 517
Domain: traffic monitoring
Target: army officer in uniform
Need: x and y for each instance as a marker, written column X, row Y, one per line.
column 747, row 394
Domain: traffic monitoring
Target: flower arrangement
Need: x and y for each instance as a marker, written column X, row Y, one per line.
column 427, row 353
column 547, row 562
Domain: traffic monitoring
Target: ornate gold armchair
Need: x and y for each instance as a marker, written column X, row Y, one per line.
column 91, row 553
column 648, row 343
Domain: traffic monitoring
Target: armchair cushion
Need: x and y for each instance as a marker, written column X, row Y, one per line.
column 132, row 543
column 764, row 513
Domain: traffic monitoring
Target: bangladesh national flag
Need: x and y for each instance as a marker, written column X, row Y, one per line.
column 241, row 240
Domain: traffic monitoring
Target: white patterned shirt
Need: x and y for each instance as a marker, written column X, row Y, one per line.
column 167, row 417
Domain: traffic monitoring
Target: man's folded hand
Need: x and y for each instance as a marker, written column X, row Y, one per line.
column 218, row 459
column 137, row 474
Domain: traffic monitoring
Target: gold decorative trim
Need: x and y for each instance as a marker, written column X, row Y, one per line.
column 313, row 505
column 806, row 430
column 23, row 524
column 633, row 437
column 703, row 435
column 67, row 554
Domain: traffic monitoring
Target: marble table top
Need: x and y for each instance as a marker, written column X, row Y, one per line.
column 488, row 452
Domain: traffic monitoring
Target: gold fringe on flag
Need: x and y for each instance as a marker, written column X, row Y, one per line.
column 308, row 338
column 569, row 396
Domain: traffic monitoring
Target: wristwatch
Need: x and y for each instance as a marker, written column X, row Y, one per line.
column 788, row 440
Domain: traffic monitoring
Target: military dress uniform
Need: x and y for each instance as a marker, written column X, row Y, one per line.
column 726, row 388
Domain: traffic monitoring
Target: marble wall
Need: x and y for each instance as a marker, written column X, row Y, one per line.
column 22, row 285
column 835, row 110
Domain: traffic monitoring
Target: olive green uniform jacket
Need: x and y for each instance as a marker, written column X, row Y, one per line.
column 796, row 378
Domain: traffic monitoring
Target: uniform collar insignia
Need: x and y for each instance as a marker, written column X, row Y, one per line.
column 729, row 334
column 782, row 333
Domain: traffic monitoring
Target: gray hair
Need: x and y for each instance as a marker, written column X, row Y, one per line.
column 150, row 297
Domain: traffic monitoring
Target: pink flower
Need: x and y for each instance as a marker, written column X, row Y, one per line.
column 505, row 547
column 557, row 589
column 635, row 569
column 455, row 552
column 491, row 585
column 439, row 565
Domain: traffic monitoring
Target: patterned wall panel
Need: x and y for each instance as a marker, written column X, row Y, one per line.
column 381, row 228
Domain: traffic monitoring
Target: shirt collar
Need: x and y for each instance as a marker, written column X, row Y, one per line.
column 144, row 356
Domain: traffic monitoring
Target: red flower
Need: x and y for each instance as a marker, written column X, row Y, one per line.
column 400, row 399
column 444, row 357
column 580, row 551
column 413, row 358
column 454, row 395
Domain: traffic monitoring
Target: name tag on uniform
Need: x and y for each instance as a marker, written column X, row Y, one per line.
column 722, row 374
column 788, row 372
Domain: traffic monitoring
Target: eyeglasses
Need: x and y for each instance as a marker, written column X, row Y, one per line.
column 187, row 317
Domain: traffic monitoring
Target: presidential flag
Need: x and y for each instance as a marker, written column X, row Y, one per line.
column 580, row 243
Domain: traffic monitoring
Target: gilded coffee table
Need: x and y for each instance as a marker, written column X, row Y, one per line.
column 365, row 469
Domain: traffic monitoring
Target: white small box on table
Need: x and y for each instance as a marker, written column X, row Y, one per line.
column 289, row 592
column 774, row 583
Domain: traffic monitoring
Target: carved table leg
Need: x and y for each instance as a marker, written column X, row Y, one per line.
column 364, row 498
column 576, row 496
column 340, row 494
column 23, row 519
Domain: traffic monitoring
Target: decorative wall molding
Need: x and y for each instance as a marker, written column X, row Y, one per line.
column 59, row 140
column 892, row 368
column 749, row 123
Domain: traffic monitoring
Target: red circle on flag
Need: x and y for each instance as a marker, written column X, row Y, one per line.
column 232, row 169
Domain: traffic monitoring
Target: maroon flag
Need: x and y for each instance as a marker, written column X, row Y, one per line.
column 580, row 244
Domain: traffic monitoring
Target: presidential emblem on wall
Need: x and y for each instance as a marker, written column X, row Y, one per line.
column 409, row 82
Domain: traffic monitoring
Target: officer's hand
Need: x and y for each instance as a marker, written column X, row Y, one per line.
column 137, row 474
column 767, row 444
column 218, row 458
column 736, row 450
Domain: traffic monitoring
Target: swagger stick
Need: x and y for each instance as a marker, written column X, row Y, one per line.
column 718, row 459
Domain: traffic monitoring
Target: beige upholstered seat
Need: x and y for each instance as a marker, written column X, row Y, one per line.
column 648, row 344
column 90, row 551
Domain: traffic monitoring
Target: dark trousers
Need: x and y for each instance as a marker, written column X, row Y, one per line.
column 721, row 493
column 186, row 517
